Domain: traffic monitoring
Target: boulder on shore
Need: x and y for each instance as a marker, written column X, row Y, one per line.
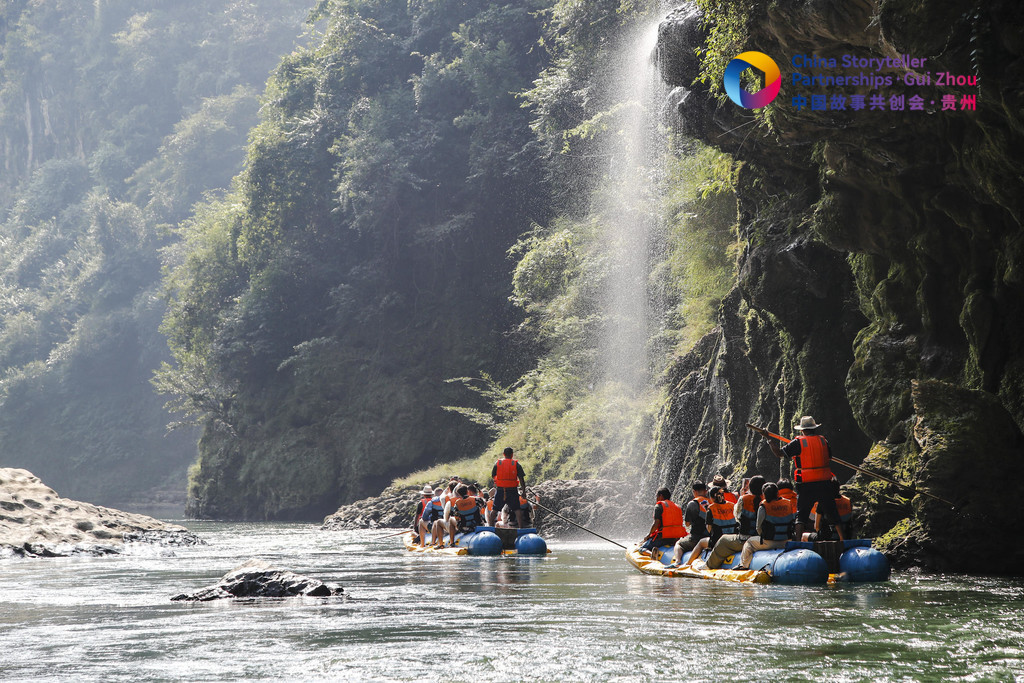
column 259, row 579
column 36, row 522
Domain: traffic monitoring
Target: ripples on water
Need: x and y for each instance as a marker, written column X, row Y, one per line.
column 581, row 613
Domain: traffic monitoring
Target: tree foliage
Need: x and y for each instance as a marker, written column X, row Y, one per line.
column 115, row 117
column 315, row 312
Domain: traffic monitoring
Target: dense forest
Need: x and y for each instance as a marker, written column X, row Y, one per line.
column 116, row 117
column 415, row 220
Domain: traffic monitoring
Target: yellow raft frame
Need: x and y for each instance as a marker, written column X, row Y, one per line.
column 652, row 565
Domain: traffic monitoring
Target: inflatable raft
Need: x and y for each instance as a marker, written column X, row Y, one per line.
column 484, row 541
column 798, row 564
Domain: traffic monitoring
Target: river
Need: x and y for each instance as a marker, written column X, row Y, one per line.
column 582, row 613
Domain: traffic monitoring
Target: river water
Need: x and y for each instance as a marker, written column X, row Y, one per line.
column 582, row 613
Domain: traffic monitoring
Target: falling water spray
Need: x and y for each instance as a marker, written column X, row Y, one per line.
column 629, row 204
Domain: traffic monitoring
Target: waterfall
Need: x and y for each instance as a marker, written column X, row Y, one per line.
column 629, row 206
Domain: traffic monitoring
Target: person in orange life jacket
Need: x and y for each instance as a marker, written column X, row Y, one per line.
column 668, row 523
column 433, row 519
column 721, row 521
column 723, row 484
column 786, row 489
column 826, row 532
column 695, row 519
column 746, row 517
column 527, row 510
column 775, row 518
column 462, row 514
column 481, row 502
column 812, row 456
column 508, row 476
column 425, row 495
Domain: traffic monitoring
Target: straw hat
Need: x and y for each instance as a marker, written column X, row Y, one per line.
column 427, row 490
column 806, row 422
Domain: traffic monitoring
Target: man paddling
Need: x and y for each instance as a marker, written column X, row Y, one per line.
column 812, row 456
column 508, row 476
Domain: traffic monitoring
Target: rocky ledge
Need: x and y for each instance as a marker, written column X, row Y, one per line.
column 608, row 507
column 258, row 579
column 36, row 522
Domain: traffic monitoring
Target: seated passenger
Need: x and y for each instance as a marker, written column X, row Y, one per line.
column 721, row 521
column 825, row 530
column 786, row 489
column 431, row 521
column 746, row 515
column 504, row 519
column 695, row 519
column 527, row 509
column 775, row 520
column 425, row 495
column 723, row 484
column 668, row 523
column 463, row 514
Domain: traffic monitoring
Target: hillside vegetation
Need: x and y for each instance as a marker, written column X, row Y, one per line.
column 115, row 117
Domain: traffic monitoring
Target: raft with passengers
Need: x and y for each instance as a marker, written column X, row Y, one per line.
column 463, row 520
column 759, row 535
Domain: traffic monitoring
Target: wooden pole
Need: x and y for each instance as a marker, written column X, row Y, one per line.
column 765, row 432
column 537, row 503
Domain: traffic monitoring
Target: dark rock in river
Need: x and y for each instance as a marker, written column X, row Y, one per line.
column 880, row 288
column 605, row 506
column 36, row 522
column 258, row 579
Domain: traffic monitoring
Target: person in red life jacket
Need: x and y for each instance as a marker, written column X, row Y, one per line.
column 812, row 456
column 432, row 519
column 723, row 484
column 746, row 517
column 721, row 521
column 668, row 523
column 462, row 515
column 827, row 532
column 695, row 519
column 775, row 519
column 786, row 489
column 425, row 495
column 508, row 476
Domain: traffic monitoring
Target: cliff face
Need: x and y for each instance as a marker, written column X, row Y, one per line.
column 881, row 286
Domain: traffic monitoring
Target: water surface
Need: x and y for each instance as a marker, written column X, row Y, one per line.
column 582, row 613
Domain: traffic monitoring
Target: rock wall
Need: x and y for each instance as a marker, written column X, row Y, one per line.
column 881, row 288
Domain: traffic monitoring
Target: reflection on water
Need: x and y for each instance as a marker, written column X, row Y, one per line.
column 580, row 613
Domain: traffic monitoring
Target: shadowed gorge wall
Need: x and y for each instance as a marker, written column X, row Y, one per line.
column 880, row 288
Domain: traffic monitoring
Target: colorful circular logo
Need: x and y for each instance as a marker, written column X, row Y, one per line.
column 752, row 60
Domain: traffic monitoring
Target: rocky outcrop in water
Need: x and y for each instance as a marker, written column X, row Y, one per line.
column 36, row 522
column 602, row 505
column 881, row 285
column 258, row 579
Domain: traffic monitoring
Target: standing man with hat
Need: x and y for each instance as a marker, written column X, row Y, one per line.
column 508, row 475
column 813, row 477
